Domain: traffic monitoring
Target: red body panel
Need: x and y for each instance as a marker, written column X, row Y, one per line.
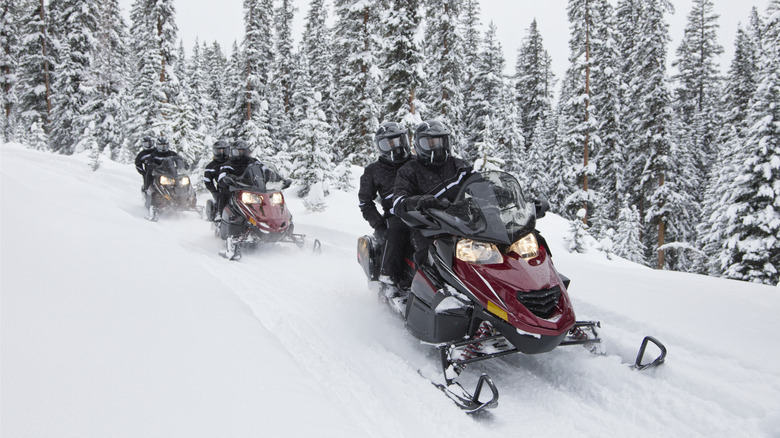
column 500, row 283
column 268, row 218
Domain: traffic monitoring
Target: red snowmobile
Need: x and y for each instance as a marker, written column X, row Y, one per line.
column 257, row 213
column 488, row 287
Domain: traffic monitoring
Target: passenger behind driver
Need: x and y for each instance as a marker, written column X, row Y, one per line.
column 392, row 141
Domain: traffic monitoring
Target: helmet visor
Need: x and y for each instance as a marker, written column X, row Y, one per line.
column 240, row 152
column 388, row 144
column 434, row 143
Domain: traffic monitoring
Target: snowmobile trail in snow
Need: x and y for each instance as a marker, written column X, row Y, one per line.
column 305, row 332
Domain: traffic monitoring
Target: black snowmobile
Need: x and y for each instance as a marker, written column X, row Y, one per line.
column 170, row 188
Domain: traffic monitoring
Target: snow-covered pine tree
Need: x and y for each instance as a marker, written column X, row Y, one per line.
column 106, row 108
column 282, row 86
column 195, row 79
column 316, row 44
column 753, row 229
column 163, row 18
column 77, row 21
column 36, row 72
column 606, row 101
column 472, row 47
column 312, row 167
column 651, row 149
column 578, row 120
column 537, row 175
column 578, row 232
column 153, row 41
column 628, row 239
column 358, row 96
column 37, row 137
column 401, row 62
column 486, row 149
column 698, row 80
column 486, row 90
column 233, row 93
column 534, row 81
column 252, row 71
column 443, row 67
column 508, row 133
column 10, row 48
column 740, row 85
column 627, row 13
column 215, row 67
column 559, row 166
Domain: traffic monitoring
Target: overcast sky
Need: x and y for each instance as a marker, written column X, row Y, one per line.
column 222, row 20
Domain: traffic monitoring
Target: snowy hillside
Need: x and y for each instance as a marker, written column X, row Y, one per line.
column 116, row 326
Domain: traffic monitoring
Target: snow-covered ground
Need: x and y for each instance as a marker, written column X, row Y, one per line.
column 116, row 326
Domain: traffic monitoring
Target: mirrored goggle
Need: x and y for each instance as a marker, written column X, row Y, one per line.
column 434, row 143
column 240, row 152
column 388, row 144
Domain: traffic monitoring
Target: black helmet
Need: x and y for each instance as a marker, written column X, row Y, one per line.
column 393, row 142
column 221, row 150
column 162, row 144
column 240, row 151
column 147, row 142
column 432, row 140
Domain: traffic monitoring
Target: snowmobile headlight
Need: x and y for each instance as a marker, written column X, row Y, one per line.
column 527, row 247
column 164, row 180
column 480, row 253
column 251, row 198
column 184, row 181
column 277, row 199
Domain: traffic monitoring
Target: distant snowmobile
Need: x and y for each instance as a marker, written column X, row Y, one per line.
column 170, row 188
column 256, row 213
column 488, row 287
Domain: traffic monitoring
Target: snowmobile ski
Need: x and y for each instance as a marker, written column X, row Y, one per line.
column 638, row 365
column 470, row 403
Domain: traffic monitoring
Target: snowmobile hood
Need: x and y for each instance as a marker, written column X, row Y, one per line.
column 529, row 296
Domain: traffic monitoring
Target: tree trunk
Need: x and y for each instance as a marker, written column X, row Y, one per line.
column 587, row 113
column 45, row 68
column 661, row 230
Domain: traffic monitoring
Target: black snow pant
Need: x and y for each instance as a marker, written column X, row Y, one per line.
column 222, row 200
column 147, row 180
column 396, row 241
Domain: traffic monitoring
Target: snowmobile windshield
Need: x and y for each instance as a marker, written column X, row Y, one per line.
column 491, row 207
column 261, row 178
column 171, row 166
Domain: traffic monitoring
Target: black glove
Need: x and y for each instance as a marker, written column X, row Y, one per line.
column 286, row 184
column 426, row 202
column 226, row 181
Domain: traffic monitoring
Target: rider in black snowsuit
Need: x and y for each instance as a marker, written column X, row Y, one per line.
column 378, row 179
column 434, row 176
column 142, row 160
column 240, row 159
column 221, row 152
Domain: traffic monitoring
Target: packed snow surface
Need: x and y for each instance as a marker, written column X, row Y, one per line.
column 116, row 326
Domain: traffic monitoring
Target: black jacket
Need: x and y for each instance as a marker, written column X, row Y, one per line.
column 378, row 179
column 210, row 174
column 237, row 168
column 142, row 158
column 415, row 179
